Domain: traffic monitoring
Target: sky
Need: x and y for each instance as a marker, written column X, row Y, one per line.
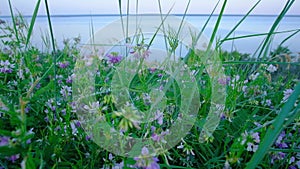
column 75, row 7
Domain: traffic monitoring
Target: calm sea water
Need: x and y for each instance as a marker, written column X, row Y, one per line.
column 72, row 26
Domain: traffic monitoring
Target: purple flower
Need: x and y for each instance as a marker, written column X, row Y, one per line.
column 4, row 141
column 66, row 91
column 63, row 65
column 27, row 109
column 114, row 57
column 256, row 137
column 77, row 124
column 159, row 116
column 224, row 81
column 286, row 94
column 145, row 161
column 145, row 151
column 140, row 51
column 14, row 158
column 159, row 137
column 152, row 70
column 87, row 137
column 6, row 66
column 268, row 102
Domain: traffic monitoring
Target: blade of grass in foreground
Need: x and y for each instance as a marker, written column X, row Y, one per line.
column 37, row 6
column 275, row 130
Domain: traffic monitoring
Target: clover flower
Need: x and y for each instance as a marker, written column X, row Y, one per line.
column 286, row 94
column 14, row 158
column 253, row 76
column 160, row 137
column 224, row 81
column 140, row 51
column 4, row 141
column 63, row 65
column 272, row 68
column 6, row 66
column 114, row 57
column 186, row 148
column 146, row 161
column 66, row 91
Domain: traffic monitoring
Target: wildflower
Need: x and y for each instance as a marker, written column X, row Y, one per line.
column 224, row 81
column 292, row 159
column 280, row 141
column 88, row 137
column 159, row 116
column 20, row 74
column 227, row 165
column 256, row 137
column 252, row 147
column 160, row 137
column 4, row 141
column 92, row 107
column 147, row 99
column 114, row 58
column 6, row 66
column 245, row 89
column 268, row 102
column 50, row 104
column 186, row 148
column 286, row 94
column 74, row 128
column 69, row 79
column 146, row 161
column 272, row 68
column 254, row 76
column 14, row 158
column 152, row 70
column 66, row 91
column 140, row 51
column 63, row 65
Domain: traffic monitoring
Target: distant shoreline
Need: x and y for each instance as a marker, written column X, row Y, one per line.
column 113, row 15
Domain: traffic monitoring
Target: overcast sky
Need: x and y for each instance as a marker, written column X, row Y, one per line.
column 69, row 7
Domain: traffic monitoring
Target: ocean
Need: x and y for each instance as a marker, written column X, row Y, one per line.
column 80, row 25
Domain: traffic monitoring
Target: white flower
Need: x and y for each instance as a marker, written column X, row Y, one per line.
column 286, row 95
column 272, row 68
column 253, row 76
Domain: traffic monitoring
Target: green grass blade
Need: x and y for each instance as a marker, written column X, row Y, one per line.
column 287, row 38
column 36, row 9
column 257, row 35
column 266, row 44
column 206, row 23
column 217, row 25
column 241, row 21
column 50, row 27
column 277, row 127
column 13, row 20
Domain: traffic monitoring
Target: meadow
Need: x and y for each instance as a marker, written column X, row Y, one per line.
column 43, row 101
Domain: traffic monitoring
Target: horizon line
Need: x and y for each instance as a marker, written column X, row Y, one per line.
column 148, row 14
